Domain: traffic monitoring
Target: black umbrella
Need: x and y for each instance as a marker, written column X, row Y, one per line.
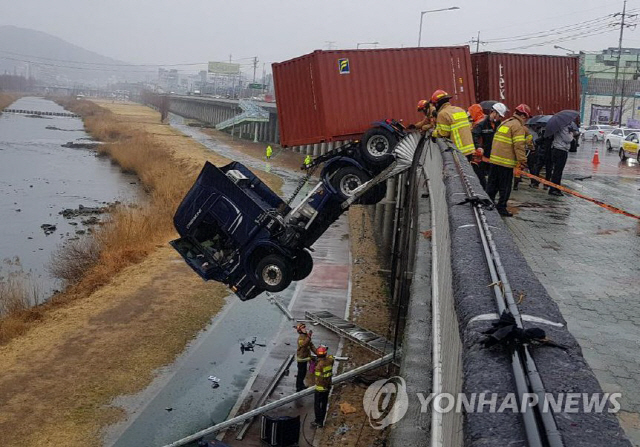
column 561, row 120
column 539, row 120
column 486, row 105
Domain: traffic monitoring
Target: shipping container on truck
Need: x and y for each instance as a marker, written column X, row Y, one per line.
column 336, row 95
column 547, row 84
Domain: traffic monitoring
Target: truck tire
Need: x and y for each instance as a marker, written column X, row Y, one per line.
column 304, row 265
column 348, row 178
column 376, row 144
column 273, row 273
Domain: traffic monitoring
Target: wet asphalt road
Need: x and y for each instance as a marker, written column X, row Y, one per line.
column 183, row 386
column 588, row 259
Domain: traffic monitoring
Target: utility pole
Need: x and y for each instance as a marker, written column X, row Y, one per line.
column 623, row 16
column 477, row 41
column 255, row 65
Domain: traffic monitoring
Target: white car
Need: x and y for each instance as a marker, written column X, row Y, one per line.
column 596, row 132
column 630, row 147
column 614, row 139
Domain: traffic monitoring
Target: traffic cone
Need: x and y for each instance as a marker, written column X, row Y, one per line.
column 596, row 158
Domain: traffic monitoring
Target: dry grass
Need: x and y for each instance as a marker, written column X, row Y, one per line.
column 7, row 99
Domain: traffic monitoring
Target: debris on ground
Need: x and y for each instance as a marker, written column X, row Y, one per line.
column 347, row 408
column 343, row 429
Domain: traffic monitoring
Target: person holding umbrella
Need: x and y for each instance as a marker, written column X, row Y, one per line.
column 507, row 153
column 560, row 127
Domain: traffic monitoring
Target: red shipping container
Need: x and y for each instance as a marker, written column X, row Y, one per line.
column 336, row 95
column 547, row 84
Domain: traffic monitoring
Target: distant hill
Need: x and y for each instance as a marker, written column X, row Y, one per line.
column 52, row 60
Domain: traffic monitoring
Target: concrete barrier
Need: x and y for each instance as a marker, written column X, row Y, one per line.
column 459, row 295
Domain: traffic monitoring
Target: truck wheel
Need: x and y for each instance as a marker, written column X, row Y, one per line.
column 348, row 178
column 304, row 265
column 376, row 143
column 273, row 273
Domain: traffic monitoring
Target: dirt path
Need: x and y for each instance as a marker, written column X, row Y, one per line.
column 59, row 378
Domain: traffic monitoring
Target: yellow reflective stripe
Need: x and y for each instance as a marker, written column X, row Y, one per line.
column 519, row 138
column 466, row 150
column 459, row 115
column 306, row 359
column 317, row 373
column 503, row 129
column 503, row 161
column 327, row 368
column 502, row 139
column 443, row 127
column 529, row 137
column 320, row 388
column 460, row 125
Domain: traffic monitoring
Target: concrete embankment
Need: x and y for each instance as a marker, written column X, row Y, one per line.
column 106, row 339
column 466, row 307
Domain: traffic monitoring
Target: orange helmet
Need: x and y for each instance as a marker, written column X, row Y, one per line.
column 422, row 105
column 321, row 351
column 524, row 109
column 438, row 95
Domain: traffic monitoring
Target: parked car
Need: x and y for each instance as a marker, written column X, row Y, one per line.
column 616, row 137
column 630, row 146
column 597, row 132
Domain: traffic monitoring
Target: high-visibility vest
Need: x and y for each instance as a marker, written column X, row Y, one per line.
column 324, row 373
column 508, row 148
column 452, row 122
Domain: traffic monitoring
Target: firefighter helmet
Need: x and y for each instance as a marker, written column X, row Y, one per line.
column 524, row 109
column 439, row 95
column 321, row 351
column 500, row 109
column 423, row 104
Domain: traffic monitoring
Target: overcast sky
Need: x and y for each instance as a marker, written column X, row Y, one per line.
column 172, row 31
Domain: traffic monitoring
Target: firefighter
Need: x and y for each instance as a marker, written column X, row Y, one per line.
column 307, row 161
column 303, row 354
column 452, row 122
column 269, row 152
column 507, row 153
column 427, row 123
column 324, row 376
column 483, row 138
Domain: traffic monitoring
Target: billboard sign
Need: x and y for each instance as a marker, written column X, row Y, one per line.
column 224, row 68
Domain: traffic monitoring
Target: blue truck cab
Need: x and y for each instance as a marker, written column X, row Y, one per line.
column 234, row 229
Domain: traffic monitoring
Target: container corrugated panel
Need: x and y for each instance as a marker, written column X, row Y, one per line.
column 318, row 100
column 547, row 84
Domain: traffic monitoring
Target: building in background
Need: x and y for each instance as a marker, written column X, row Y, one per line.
column 597, row 76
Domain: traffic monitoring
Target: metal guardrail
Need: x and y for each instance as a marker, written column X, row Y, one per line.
column 362, row 337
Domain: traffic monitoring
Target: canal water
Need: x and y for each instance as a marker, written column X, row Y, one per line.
column 38, row 179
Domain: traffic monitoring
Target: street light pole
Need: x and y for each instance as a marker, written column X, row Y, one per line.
column 558, row 47
column 422, row 13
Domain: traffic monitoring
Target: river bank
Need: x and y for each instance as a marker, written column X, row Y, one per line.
column 64, row 366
